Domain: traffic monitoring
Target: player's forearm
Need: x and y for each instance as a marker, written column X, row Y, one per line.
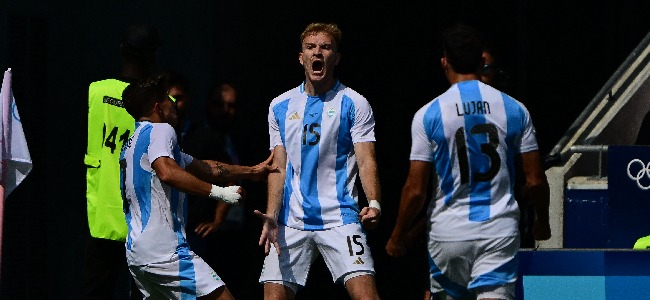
column 370, row 184
column 275, row 193
column 368, row 171
column 226, row 172
column 172, row 174
column 539, row 195
column 220, row 212
column 169, row 172
column 536, row 189
column 411, row 203
column 218, row 172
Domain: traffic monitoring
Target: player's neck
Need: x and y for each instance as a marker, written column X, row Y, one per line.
column 456, row 77
column 315, row 88
column 153, row 118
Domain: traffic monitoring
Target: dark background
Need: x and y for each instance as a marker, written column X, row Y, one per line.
column 559, row 54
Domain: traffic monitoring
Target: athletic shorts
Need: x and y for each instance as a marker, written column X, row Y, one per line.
column 177, row 278
column 344, row 249
column 484, row 268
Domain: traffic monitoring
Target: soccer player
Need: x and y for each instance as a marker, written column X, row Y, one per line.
column 322, row 133
column 469, row 142
column 155, row 175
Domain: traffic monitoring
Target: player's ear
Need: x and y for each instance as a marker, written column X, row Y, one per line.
column 157, row 108
column 445, row 64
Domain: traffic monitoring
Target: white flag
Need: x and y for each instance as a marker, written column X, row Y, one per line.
column 16, row 161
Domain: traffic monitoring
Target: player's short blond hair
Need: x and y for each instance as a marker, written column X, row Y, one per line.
column 329, row 28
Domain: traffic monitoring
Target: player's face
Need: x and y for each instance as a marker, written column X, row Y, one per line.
column 319, row 56
column 167, row 112
column 182, row 98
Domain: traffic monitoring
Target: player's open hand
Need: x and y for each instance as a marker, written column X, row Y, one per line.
column 269, row 233
column 206, row 228
column 262, row 170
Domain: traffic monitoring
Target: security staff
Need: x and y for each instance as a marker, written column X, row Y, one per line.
column 109, row 126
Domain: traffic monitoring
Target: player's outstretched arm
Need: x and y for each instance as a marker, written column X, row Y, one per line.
column 169, row 172
column 215, row 171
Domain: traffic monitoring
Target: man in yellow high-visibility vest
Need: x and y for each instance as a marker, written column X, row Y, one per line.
column 109, row 126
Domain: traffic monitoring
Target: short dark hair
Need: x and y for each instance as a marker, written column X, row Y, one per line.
column 141, row 40
column 140, row 96
column 463, row 45
column 174, row 78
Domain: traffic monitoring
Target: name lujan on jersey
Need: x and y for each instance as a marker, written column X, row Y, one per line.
column 473, row 108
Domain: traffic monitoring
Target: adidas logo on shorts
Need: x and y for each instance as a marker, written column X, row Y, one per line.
column 359, row 261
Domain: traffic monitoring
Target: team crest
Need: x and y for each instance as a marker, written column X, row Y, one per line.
column 331, row 112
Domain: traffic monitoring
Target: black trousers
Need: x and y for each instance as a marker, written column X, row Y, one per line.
column 107, row 276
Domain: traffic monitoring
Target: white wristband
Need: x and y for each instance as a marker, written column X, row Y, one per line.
column 226, row 194
column 374, row 204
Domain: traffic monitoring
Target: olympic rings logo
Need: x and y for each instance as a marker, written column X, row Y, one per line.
column 644, row 171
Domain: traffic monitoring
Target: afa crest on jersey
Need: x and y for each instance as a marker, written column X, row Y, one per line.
column 331, row 112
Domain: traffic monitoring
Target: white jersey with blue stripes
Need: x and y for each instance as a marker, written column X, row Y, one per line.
column 319, row 133
column 155, row 212
column 471, row 134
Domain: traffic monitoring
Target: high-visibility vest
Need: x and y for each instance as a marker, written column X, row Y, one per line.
column 109, row 127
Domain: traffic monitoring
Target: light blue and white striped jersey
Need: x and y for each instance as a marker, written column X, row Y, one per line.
column 471, row 134
column 319, row 133
column 155, row 212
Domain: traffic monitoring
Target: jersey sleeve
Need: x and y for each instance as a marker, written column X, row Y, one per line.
column 274, row 128
column 163, row 139
column 421, row 146
column 528, row 141
column 363, row 128
column 186, row 159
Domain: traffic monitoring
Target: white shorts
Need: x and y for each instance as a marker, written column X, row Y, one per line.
column 344, row 249
column 484, row 268
column 188, row 275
